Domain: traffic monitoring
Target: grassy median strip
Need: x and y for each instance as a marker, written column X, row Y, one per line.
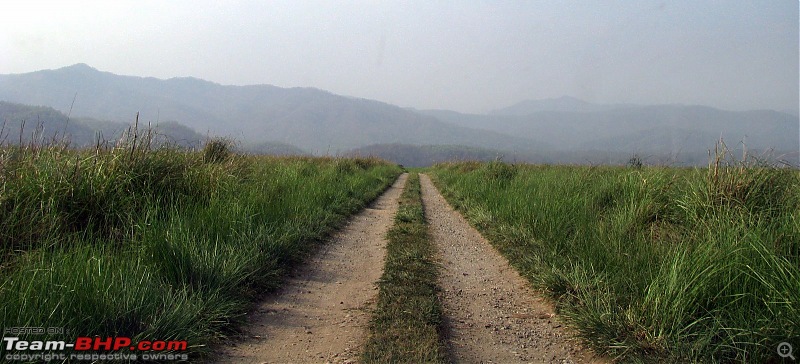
column 161, row 244
column 406, row 326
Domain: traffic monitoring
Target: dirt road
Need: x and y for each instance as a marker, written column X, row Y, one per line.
column 492, row 315
column 321, row 313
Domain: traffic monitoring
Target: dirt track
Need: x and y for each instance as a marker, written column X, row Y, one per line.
column 492, row 315
column 321, row 313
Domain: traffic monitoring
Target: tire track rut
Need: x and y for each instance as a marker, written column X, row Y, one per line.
column 321, row 313
column 492, row 314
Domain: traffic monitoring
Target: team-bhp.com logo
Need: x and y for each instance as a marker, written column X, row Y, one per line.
column 91, row 349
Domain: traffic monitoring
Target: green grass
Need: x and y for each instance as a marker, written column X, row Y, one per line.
column 162, row 244
column 406, row 326
column 650, row 264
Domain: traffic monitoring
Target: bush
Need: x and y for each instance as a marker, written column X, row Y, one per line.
column 217, row 150
column 500, row 171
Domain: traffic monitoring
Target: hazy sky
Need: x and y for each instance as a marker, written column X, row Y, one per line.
column 470, row 56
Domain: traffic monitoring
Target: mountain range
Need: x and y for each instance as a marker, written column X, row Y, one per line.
column 562, row 130
column 681, row 134
column 314, row 120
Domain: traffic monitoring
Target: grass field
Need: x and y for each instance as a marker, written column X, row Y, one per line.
column 649, row 264
column 161, row 244
column 406, row 326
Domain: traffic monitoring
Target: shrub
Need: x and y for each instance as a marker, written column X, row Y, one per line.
column 217, row 150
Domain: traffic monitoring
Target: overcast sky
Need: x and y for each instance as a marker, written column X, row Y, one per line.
column 469, row 56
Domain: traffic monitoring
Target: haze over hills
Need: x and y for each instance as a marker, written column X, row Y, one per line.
column 678, row 133
column 563, row 103
column 43, row 124
column 562, row 130
column 427, row 155
column 311, row 119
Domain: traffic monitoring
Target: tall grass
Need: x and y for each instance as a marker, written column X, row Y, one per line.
column 650, row 264
column 161, row 243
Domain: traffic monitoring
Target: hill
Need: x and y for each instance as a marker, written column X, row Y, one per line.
column 25, row 123
column 561, row 130
column 273, row 148
column 564, row 103
column 427, row 155
column 314, row 120
column 44, row 124
column 665, row 131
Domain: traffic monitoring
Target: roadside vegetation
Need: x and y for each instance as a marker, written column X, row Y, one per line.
column 406, row 326
column 161, row 244
column 650, row 264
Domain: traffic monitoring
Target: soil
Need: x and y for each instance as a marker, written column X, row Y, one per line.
column 322, row 312
column 491, row 313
